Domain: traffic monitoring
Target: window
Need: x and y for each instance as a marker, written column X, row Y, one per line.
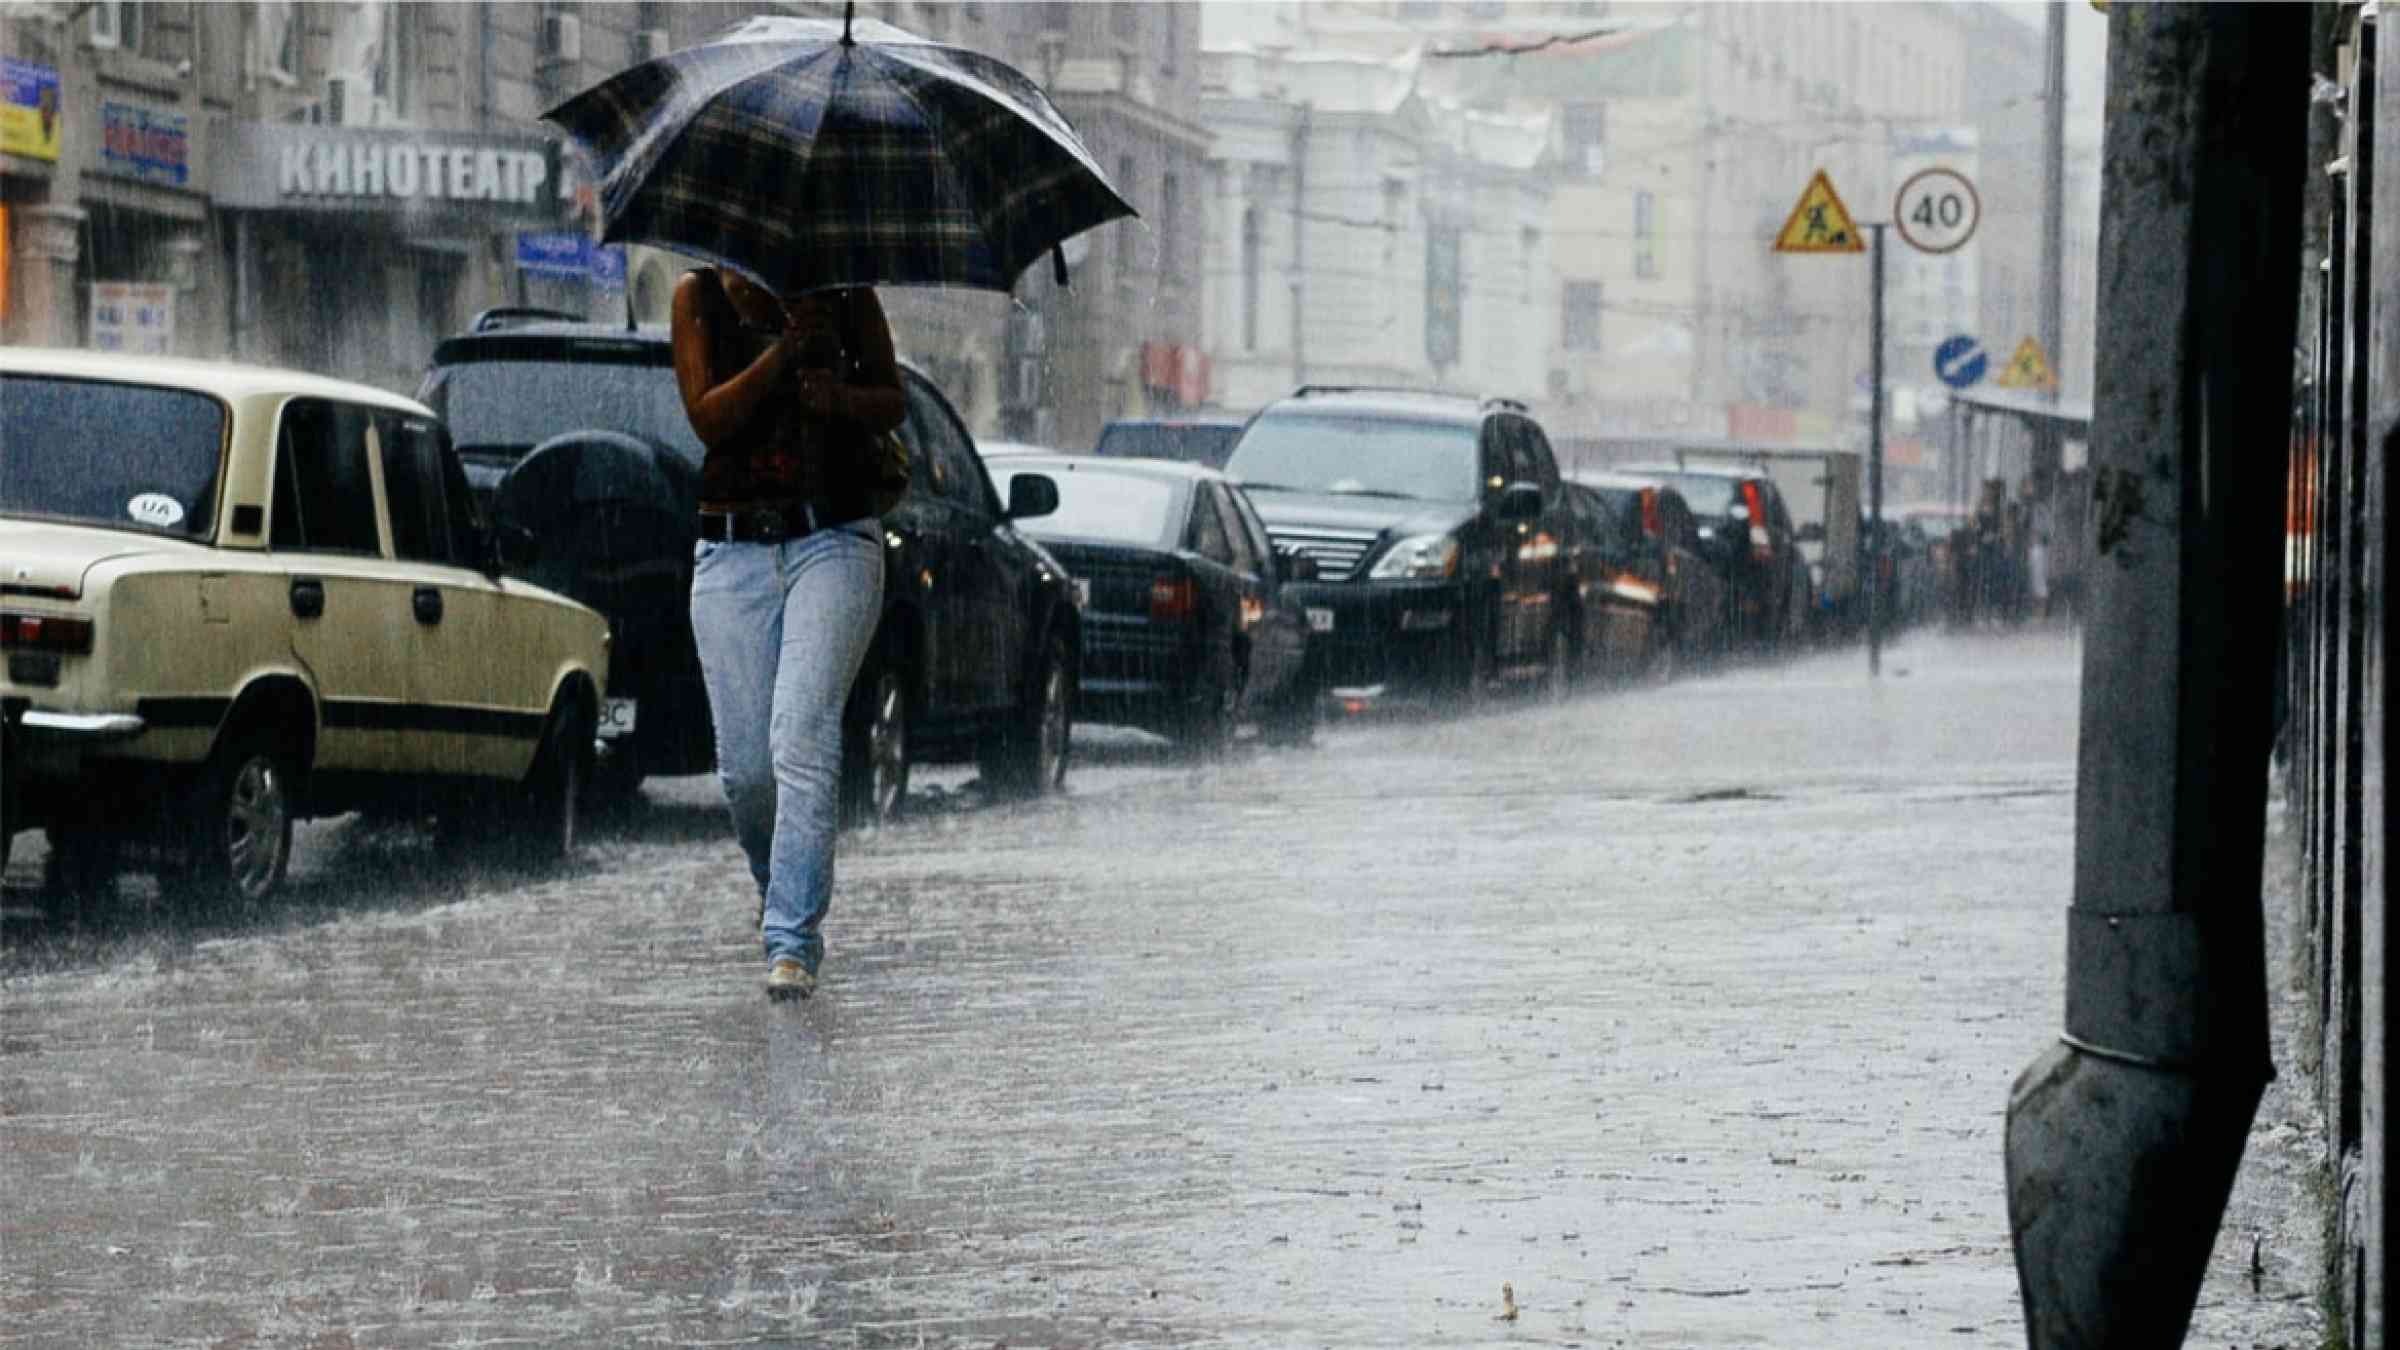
column 324, row 496
column 945, row 458
column 1206, row 536
column 1579, row 313
column 1585, row 129
column 1645, row 235
column 412, row 483
column 395, row 57
column 158, row 471
column 1170, row 221
column 1246, row 558
column 1539, row 458
column 117, row 23
column 275, row 42
column 1250, row 278
column 1125, row 229
column 1445, row 302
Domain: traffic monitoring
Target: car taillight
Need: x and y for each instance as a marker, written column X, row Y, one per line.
column 1762, row 544
column 1171, row 598
column 1650, row 525
column 45, row 632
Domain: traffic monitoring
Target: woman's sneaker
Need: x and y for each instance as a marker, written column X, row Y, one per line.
column 788, row 979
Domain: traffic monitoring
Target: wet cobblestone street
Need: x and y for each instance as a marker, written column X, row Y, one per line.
column 1685, row 1015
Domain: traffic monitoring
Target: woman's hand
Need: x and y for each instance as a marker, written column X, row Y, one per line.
column 817, row 391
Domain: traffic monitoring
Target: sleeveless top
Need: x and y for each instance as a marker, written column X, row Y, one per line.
column 783, row 456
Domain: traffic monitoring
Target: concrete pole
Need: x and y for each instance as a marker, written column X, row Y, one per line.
column 2123, row 1139
column 1874, row 578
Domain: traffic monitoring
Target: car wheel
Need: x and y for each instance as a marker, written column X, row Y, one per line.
column 1031, row 756
column 616, row 776
column 1209, row 723
column 875, row 749
column 238, row 820
column 1469, row 682
column 1664, row 654
column 549, row 801
column 1558, row 669
column 1294, row 718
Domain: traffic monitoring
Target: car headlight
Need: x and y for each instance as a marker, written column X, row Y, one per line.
column 1417, row 558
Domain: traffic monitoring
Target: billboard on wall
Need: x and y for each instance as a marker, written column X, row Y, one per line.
column 29, row 113
column 151, row 144
column 133, row 316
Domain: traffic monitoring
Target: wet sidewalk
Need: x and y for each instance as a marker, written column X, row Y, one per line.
column 1669, row 1017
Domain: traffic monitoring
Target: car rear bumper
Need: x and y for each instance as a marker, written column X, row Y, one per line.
column 1134, row 673
column 1387, row 637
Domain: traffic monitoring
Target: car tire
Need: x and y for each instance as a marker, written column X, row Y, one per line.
column 1467, row 685
column 1558, row 663
column 1293, row 719
column 616, row 777
column 548, row 804
column 1209, row 723
column 237, row 820
column 875, row 762
column 1029, row 756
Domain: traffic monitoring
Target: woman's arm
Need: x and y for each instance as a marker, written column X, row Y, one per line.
column 872, row 398
column 718, row 411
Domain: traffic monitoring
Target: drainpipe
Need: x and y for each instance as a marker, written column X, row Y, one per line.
column 2124, row 1138
column 1300, row 129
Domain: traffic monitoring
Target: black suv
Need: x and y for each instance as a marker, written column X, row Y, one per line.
column 1438, row 526
column 575, row 432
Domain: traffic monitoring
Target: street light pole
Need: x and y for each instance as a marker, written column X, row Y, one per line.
column 1874, row 578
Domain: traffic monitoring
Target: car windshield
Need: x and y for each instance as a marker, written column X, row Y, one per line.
column 1707, row 494
column 1368, row 456
column 515, row 405
column 126, row 456
column 1120, row 508
column 1201, row 443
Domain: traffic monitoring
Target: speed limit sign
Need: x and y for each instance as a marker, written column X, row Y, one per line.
column 1937, row 210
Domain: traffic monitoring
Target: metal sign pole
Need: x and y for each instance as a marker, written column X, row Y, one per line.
column 1875, row 457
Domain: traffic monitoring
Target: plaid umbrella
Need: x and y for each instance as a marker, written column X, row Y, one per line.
column 808, row 153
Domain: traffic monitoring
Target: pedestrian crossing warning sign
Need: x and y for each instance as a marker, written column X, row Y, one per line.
column 1819, row 223
column 2028, row 369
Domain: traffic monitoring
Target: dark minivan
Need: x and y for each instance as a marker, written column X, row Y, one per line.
column 575, row 432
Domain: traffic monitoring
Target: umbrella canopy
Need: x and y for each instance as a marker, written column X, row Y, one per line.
column 809, row 153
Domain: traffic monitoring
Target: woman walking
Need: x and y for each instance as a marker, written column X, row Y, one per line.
column 789, row 396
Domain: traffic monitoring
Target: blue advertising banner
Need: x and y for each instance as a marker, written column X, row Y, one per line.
column 557, row 253
column 151, row 144
column 608, row 268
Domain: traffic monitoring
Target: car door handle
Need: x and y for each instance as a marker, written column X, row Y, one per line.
column 308, row 597
column 428, row 603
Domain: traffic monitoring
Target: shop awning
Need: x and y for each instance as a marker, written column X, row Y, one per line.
column 2067, row 415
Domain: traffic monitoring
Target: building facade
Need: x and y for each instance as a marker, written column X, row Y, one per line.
column 337, row 185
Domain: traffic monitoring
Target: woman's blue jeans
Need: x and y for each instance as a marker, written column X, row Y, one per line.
column 782, row 629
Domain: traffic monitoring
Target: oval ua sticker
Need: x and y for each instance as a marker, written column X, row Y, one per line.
column 156, row 508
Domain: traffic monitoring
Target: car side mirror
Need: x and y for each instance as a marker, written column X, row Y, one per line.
column 1296, row 566
column 1031, row 495
column 1520, row 501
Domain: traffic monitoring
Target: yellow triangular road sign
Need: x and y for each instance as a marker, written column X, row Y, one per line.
column 2028, row 369
column 1819, row 222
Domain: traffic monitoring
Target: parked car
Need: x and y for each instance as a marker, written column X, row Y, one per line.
column 1747, row 531
column 1625, row 634
column 1189, row 625
column 1438, row 526
column 236, row 597
column 1666, row 553
column 1197, row 439
column 575, row 432
column 579, row 430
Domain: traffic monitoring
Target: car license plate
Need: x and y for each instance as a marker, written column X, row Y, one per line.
column 1320, row 619
column 616, row 718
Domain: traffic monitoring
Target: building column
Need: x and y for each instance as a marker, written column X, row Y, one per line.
column 49, row 242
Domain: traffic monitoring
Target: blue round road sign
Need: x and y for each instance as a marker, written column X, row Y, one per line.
column 1960, row 361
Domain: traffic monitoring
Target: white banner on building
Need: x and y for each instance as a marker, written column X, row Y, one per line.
column 133, row 316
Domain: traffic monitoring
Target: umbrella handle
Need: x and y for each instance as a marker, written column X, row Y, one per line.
column 849, row 12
